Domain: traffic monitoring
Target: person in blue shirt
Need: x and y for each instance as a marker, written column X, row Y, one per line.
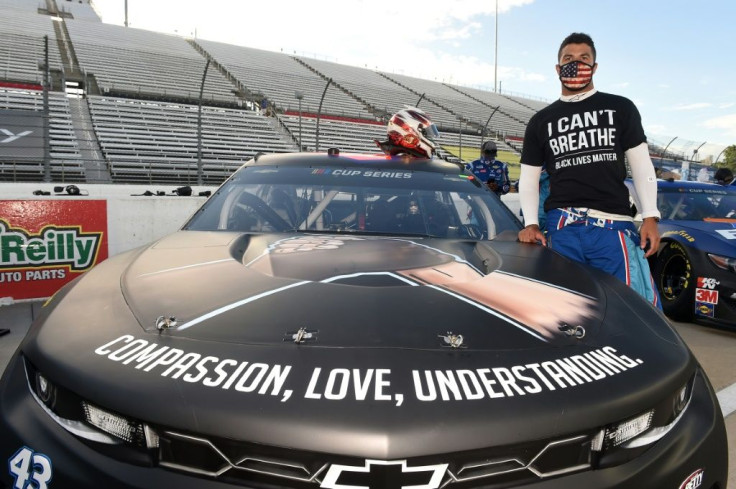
column 491, row 171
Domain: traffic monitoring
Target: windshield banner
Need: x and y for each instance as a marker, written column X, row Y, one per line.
column 46, row 243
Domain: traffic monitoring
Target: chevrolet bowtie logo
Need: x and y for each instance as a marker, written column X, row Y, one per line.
column 380, row 474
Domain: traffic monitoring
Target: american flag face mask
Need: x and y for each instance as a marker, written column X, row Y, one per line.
column 576, row 75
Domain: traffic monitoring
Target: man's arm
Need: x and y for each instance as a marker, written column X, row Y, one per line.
column 645, row 183
column 529, row 198
column 506, row 187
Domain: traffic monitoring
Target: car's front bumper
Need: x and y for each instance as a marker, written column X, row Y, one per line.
column 697, row 445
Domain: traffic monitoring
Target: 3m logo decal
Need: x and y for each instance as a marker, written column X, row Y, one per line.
column 707, row 296
column 379, row 474
column 694, row 480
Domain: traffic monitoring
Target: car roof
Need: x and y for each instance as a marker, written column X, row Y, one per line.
column 343, row 160
column 685, row 184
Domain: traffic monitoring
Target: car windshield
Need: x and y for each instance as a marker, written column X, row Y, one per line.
column 265, row 199
column 697, row 204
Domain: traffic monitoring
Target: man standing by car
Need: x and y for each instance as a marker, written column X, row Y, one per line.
column 491, row 171
column 583, row 138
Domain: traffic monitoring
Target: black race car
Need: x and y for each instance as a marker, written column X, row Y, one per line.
column 354, row 321
column 695, row 269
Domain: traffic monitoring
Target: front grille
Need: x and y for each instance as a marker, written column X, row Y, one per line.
column 555, row 458
column 262, row 466
column 234, row 461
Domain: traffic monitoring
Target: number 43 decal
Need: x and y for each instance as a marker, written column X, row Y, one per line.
column 30, row 469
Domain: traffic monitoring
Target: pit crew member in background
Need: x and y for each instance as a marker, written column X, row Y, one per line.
column 583, row 138
column 410, row 132
column 491, row 171
column 723, row 176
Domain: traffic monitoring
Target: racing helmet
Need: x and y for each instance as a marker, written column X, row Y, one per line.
column 411, row 131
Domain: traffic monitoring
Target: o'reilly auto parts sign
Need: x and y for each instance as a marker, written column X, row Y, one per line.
column 47, row 243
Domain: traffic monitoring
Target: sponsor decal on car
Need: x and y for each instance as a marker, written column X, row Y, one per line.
column 361, row 173
column 707, row 296
column 707, row 283
column 706, row 291
column 704, row 309
column 379, row 473
column 30, row 469
column 727, row 233
column 694, row 480
column 681, row 233
column 373, row 384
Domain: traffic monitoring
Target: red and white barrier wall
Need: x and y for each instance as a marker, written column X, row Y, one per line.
column 47, row 240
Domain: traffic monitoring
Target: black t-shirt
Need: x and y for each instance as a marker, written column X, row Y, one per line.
column 583, row 145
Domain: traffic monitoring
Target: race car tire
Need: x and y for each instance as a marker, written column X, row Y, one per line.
column 673, row 274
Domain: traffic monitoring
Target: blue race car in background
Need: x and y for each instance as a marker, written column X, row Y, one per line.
column 695, row 269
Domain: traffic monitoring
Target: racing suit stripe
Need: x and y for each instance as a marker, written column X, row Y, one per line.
column 625, row 254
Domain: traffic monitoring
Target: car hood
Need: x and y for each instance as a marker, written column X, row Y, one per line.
column 354, row 291
column 314, row 341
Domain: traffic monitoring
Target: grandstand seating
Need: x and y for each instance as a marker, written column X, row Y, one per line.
column 278, row 77
column 144, row 64
column 22, row 44
column 66, row 164
column 517, row 113
column 386, row 96
column 349, row 137
column 142, row 91
column 150, row 141
column 472, row 109
column 77, row 10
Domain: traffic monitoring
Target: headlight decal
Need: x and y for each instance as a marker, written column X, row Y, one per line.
column 77, row 428
column 723, row 262
column 681, row 403
column 638, row 431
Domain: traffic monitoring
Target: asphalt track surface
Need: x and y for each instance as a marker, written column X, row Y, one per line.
column 714, row 348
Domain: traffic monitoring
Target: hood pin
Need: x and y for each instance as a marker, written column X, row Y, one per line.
column 576, row 331
column 302, row 335
column 164, row 322
column 452, row 340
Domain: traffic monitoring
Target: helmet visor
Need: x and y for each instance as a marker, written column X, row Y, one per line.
column 430, row 132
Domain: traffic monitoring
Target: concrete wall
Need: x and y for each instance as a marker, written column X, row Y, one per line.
column 133, row 219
